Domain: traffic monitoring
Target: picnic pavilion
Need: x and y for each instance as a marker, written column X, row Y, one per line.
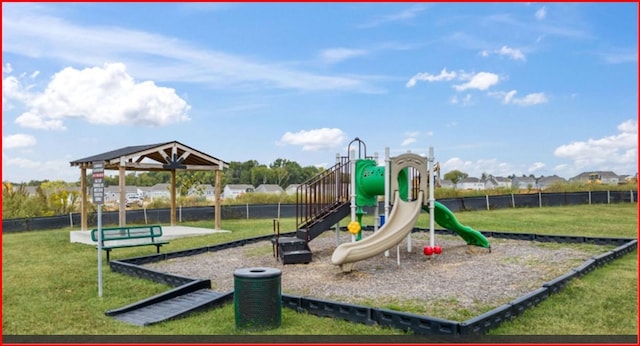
column 169, row 156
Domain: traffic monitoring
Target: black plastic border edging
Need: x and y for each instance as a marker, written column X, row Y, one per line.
column 418, row 324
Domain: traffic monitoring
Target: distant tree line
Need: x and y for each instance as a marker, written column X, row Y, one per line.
column 59, row 197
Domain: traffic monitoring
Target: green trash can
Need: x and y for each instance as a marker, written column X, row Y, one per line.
column 257, row 298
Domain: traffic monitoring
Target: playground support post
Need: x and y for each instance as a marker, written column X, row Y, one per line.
column 387, row 187
column 432, row 200
column 337, row 193
column 409, row 179
column 100, row 250
column 376, row 211
column 352, row 163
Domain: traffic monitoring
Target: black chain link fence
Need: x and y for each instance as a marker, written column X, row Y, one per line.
column 265, row 211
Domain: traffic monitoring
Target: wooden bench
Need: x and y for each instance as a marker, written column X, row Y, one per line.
column 129, row 236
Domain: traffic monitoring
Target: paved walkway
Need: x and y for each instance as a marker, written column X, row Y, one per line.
column 168, row 233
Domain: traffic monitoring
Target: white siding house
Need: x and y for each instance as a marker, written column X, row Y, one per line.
column 270, row 188
column 523, row 183
column 291, row 189
column 547, row 182
column 447, row 184
column 203, row 190
column 470, row 184
column 235, row 190
column 605, row 177
column 159, row 191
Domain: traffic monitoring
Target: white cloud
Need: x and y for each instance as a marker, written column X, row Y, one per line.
column 24, row 169
column 335, row 55
column 21, row 163
column 18, row 140
column 35, row 121
column 528, row 100
column 443, row 76
column 541, row 13
column 616, row 152
column 412, row 134
column 102, row 95
column 6, row 68
column 404, row 15
column 408, row 141
column 153, row 56
column 490, row 166
column 536, row 166
column 620, row 56
column 316, row 139
column 480, row 81
column 512, row 53
column 531, row 99
column 464, row 101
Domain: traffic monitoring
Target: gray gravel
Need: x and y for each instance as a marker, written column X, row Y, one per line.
column 461, row 277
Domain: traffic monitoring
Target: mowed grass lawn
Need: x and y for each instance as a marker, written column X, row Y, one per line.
column 49, row 286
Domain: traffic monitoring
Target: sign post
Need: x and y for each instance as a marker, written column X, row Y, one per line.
column 98, row 198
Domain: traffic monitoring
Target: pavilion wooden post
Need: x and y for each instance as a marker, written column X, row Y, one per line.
column 173, row 197
column 122, row 207
column 83, row 201
column 217, row 205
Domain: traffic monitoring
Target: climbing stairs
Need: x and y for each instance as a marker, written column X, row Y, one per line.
column 321, row 202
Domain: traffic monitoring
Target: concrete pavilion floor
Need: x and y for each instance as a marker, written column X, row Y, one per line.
column 168, row 233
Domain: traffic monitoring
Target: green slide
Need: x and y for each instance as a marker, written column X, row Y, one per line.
column 445, row 218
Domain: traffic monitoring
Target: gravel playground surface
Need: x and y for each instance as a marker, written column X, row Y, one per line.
column 462, row 280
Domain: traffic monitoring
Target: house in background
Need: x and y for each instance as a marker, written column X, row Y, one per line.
column 159, row 191
column 497, row 182
column 112, row 193
column 291, row 189
column 203, row 190
column 602, row 177
column 447, row 184
column 470, row 183
column 270, row 188
column 547, row 182
column 235, row 190
column 523, row 183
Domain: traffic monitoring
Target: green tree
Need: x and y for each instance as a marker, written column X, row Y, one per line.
column 455, row 176
column 261, row 175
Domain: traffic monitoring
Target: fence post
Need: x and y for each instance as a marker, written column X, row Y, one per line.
column 589, row 197
column 145, row 215
column 71, row 216
column 631, row 195
column 180, row 213
column 608, row 197
column 513, row 201
column 487, row 199
column 540, row 198
column 247, row 211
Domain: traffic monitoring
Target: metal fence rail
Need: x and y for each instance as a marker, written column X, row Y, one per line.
column 266, row 211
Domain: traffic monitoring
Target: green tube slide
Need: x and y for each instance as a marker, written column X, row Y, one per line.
column 445, row 218
column 370, row 183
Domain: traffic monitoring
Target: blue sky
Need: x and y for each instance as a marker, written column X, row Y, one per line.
column 501, row 88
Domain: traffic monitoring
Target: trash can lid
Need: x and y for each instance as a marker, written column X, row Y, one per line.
column 258, row 272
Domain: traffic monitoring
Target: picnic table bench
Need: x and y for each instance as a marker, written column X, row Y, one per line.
column 129, row 236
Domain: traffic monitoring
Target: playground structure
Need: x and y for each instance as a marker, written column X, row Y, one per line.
column 407, row 184
column 322, row 203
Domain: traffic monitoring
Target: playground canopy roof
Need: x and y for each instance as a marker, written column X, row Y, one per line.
column 155, row 157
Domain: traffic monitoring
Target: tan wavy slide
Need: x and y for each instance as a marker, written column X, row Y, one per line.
column 401, row 221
